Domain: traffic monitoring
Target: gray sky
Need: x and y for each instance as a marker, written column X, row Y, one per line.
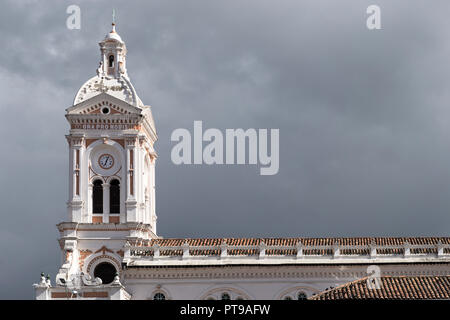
column 364, row 117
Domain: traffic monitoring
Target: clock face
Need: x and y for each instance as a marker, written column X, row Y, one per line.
column 106, row 161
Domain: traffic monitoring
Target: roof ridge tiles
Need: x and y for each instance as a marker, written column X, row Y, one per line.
column 392, row 287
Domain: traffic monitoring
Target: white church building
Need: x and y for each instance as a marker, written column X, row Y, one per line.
column 109, row 243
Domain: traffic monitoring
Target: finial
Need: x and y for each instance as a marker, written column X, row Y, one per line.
column 116, row 280
column 113, row 21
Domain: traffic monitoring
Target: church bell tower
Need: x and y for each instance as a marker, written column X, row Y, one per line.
column 111, row 200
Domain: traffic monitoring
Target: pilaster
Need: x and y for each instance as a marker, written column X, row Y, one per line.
column 76, row 202
column 106, row 208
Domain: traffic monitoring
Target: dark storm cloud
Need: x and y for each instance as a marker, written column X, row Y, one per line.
column 363, row 116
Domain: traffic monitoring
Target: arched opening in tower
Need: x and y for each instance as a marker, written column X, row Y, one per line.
column 97, row 197
column 114, row 196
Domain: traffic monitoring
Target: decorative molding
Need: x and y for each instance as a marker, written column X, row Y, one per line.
column 277, row 272
column 104, row 249
column 70, row 226
column 103, row 258
column 159, row 289
column 131, row 141
column 237, row 292
column 296, row 289
column 75, row 141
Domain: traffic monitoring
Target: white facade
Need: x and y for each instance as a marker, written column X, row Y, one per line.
column 110, row 231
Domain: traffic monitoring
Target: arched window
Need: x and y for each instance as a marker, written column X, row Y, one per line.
column 159, row 296
column 114, row 196
column 225, row 296
column 97, row 197
column 302, row 296
column 111, row 61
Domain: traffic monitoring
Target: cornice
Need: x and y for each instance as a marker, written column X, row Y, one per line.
column 129, row 226
column 274, row 272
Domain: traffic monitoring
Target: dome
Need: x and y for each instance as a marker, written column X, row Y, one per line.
column 120, row 88
column 113, row 35
column 112, row 77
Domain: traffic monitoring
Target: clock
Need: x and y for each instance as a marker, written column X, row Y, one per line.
column 106, row 161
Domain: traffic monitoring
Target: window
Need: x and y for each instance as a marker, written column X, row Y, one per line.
column 97, row 197
column 111, row 61
column 225, row 296
column 114, row 196
column 159, row 296
column 105, row 271
column 302, row 296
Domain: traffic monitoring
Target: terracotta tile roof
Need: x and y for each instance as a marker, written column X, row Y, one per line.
column 391, row 287
column 306, row 242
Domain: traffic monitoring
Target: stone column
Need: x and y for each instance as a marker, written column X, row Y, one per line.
column 105, row 202
column 90, row 203
column 131, row 203
column 75, row 204
column 75, row 172
column 147, row 209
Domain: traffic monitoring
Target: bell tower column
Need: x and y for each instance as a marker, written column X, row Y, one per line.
column 131, row 202
column 88, row 218
column 152, row 193
column 106, row 208
column 75, row 203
